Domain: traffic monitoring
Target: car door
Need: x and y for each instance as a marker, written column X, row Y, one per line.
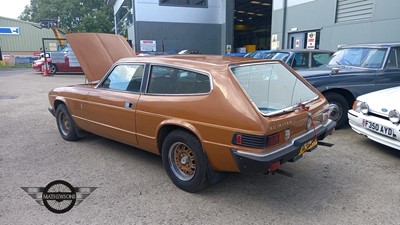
column 390, row 75
column 110, row 108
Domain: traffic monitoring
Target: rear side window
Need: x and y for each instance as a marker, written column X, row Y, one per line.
column 168, row 80
column 393, row 61
column 300, row 60
column 124, row 78
column 319, row 59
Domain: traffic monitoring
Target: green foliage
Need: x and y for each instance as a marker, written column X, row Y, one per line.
column 73, row 15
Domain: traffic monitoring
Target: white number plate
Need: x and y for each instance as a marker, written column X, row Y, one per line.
column 378, row 128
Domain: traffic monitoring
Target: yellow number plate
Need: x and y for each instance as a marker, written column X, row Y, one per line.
column 307, row 146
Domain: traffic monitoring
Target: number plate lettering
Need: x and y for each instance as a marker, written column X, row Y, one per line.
column 378, row 128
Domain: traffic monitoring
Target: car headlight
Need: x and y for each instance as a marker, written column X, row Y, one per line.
column 356, row 106
column 394, row 116
column 364, row 107
column 361, row 107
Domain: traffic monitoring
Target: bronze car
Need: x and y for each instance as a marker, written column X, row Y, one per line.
column 203, row 114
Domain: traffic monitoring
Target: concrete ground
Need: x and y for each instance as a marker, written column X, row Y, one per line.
column 356, row 181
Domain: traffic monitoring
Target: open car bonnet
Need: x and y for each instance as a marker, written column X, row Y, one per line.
column 97, row 52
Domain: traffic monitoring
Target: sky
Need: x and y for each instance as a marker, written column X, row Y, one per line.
column 12, row 9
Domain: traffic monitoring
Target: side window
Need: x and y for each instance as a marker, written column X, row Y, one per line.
column 300, row 60
column 124, row 78
column 167, row 80
column 319, row 59
column 393, row 61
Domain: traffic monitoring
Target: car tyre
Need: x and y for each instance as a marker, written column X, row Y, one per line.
column 339, row 107
column 185, row 161
column 65, row 124
column 53, row 68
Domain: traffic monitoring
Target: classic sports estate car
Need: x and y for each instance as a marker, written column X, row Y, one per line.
column 203, row 114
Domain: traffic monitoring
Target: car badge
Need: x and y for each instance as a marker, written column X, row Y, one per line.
column 384, row 110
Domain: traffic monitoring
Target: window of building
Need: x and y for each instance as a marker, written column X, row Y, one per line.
column 185, row 3
column 168, row 80
column 124, row 16
column 124, row 78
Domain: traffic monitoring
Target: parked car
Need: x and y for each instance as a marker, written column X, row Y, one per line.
column 355, row 70
column 259, row 54
column 377, row 116
column 63, row 61
column 302, row 58
column 236, row 54
column 203, row 114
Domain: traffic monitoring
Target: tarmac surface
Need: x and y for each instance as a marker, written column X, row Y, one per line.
column 356, row 181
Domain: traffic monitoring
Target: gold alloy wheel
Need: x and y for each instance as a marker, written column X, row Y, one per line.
column 182, row 161
column 65, row 124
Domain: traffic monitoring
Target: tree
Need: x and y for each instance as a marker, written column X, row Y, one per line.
column 73, row 15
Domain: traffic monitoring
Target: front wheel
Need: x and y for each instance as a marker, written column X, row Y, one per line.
column 185, row 161
column 65, row 124
column 53, row 68
column 339, row 107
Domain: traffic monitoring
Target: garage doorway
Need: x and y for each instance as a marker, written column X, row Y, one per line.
column 252, row 24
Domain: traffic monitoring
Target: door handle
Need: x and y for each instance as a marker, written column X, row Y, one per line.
column 128, row 105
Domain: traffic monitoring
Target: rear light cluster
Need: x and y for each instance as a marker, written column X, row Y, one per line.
column 323, row 118
column 256, row 141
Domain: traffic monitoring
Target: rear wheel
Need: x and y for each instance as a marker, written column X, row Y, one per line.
column 185, row 161
column 339, row 107
column 65, row 124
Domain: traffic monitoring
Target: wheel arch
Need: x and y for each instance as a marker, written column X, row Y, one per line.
column 169, row 126
column 348, row 95
column 58, row 101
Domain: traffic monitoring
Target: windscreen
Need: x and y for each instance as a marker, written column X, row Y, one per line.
column 279, row 55
column 359, row 57
column 272, row 87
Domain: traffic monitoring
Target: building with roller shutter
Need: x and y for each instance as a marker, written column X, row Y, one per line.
column 21, row 38
column 326, row 24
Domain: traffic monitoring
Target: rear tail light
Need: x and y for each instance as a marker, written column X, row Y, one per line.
column 272, row 140
column 257, row 141
column 238, row 139
column 322, row 118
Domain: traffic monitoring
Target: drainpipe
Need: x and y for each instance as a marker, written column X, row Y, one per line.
column 284, row 24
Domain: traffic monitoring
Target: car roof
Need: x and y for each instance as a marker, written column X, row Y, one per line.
column 302, row 50
column 196, row 61
column 261, row 51
column 371, row 45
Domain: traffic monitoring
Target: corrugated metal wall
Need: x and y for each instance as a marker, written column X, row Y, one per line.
column 352, row 10
column 29, row 38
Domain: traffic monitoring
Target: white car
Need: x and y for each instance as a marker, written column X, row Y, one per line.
column 377, row 115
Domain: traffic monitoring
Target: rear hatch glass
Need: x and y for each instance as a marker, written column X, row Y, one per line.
column 272, row 87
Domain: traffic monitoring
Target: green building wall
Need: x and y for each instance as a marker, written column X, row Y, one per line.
column 29, row 39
